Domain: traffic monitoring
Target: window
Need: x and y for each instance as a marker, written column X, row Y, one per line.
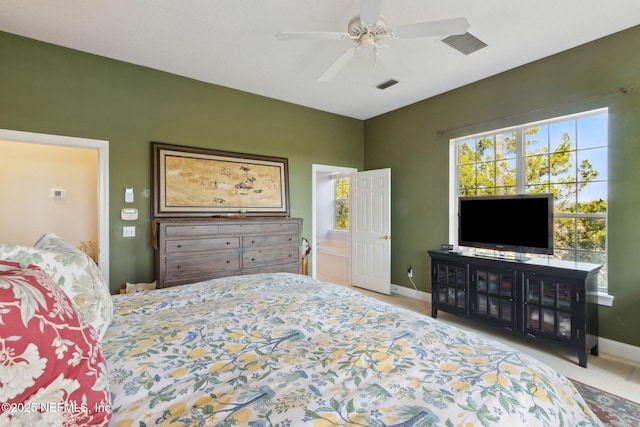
column 342, row 204
column 566, row 156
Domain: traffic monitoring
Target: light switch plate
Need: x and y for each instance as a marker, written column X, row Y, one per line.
column 129, row 231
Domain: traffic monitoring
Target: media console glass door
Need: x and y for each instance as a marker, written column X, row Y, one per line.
column 548, row 305
column 494, row 295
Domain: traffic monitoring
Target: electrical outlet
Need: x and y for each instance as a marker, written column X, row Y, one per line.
column 409, row 271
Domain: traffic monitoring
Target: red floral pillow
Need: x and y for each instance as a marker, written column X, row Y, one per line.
column 52, row 370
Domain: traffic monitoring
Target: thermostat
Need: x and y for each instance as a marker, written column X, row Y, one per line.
column 129, row 214
column 57, row 193
column 128, row 195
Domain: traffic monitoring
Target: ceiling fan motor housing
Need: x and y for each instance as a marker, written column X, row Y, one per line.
column 366, row 33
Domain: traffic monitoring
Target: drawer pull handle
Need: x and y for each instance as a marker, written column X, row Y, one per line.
column 178, row 267
column 253, row 259
column 228, row 262
column 290, row 255
column 179, row 246
column 253, row 241
column 290, row 239
column 228, row 243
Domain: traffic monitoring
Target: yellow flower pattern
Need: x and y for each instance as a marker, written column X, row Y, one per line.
column 284, row 350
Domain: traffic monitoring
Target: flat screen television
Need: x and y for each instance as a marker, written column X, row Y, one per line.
column 517, row 223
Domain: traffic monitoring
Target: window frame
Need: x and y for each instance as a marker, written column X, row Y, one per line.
column 520, row 188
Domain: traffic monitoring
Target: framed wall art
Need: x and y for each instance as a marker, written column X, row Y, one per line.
column 199, row 182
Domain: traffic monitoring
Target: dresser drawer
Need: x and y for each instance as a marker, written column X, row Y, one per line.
column 280, row 268
column 178, row 267
column 240, row 228
column 190, row 230
column 269, row 256
column 195, row 245
column 269, row 240
column 281, row 227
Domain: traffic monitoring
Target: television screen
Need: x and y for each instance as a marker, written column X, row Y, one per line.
column 519, row 223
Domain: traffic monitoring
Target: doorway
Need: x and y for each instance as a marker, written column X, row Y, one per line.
column 102, row 148
column 330, row 247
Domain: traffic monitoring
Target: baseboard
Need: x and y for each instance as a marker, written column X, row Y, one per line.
column 411, row 293
column 605, row 345
column 619, row 349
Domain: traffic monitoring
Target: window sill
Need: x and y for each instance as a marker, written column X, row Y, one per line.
column 601, row 298
column 605, row 299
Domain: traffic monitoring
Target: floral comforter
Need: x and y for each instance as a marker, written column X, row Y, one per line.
column 286, row 350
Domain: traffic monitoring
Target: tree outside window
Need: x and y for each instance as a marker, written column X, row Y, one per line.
column 342, row 204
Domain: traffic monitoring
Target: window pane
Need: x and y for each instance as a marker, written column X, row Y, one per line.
column 506, row 145
column 342, row 204
column 565, row 197
column 485, row 175
column 342, row 215
column 466, row 151
column 592, row 131
column 564, row 236
column 562, row 136
column 537, row 169
column 485, row 149
column 536, row 140
column 506, row 173
column 592, row 164
column 592, row 234
column 467, row 177
column 592, row 197
column 562, row 166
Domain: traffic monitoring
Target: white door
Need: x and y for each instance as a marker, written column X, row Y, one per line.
column 371, row 230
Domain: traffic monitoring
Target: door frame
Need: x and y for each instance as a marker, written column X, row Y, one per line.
column 103, row 180
column 315, row 169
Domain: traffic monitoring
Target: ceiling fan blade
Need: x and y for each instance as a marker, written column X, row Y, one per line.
column 370, row 11
column 338, row 64
column 309, row 35
column 431, row 29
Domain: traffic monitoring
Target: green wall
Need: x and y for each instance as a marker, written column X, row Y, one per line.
column 50, row 89
column 407, row 141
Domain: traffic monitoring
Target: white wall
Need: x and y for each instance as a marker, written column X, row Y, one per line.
column 324, row 205
column 28, row 173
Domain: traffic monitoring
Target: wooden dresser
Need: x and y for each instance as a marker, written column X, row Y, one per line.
column 191, row 250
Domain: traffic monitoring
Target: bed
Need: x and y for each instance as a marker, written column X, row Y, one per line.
column 281, row 349
column 286, row 350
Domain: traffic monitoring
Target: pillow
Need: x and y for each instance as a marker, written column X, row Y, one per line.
column 52, row 371
column 72, row 270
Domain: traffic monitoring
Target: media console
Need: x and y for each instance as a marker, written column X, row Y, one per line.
column 543, row 299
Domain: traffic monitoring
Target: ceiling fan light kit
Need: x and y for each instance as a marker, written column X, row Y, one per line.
column 369, row 29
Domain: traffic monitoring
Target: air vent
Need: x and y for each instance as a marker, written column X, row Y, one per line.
column 464, row 43
column 387, row 84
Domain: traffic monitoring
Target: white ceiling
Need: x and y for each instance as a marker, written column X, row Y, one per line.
column 231, row 42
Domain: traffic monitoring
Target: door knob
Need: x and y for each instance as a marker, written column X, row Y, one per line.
column 386, row 237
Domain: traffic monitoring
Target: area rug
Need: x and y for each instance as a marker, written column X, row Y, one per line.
column 612, row 410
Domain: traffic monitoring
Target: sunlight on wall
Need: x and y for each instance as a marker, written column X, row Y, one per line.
column 29, row 173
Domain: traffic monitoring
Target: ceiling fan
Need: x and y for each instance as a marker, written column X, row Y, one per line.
column 369, row 29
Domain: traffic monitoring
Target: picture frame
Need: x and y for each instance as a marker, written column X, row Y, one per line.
column 201, row 182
